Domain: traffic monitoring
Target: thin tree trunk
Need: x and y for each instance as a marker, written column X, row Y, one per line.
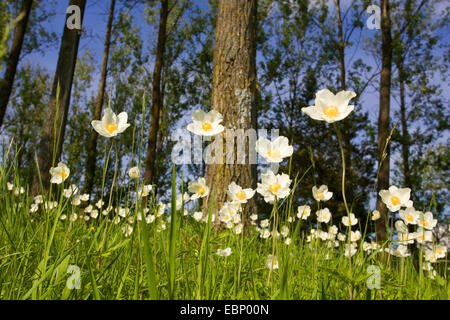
column 234, row 94
column 7, row 82
column 383, row 119
column 92, row 153
column 405, row 134
column 156, row 95
column 50, row 147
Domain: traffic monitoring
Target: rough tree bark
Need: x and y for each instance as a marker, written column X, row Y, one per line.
column 383, row 119
column 51, row 145
column 234, row 94
column 7, row 82
column 156, row 95
column 92, row 153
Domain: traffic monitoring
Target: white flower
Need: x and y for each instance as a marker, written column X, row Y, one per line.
column 161, row 208
column 341, row 237
column 440, row 251
column 59, row 173
column 38, row 199
column 274, row 151
column 197, row 215
column 254, row 217
column 265, row 233
column 323, row 235
column 272, row 186
column 238, row 228
column 401, row 227
column 34, row 207
column 395, row 198
column 227, row 212
column 19, row 191
column 198, row 188
column 355, row 235
column 333, row 230
column 150, row 218
column 236, row 193
column 430, row 255
column 76, row 201
column 73, row 217
column 323, row 215
column 401, row 251
column 88, row 209
column 407, row 238
column 224, row 253
column 322, row 193
column 288, row 241
column 424, row 236
column 272, row 262
column 127, row 230
column 94, row 214
column 206, row 124
column 353, row 220
column 426, row 220
column 349, row 250
column 329, row 107
column 410, row 215
column 84, row 197
column 375, row 215
column 99, row 204
column 284, row 231
column 10, row 186
column 111, row 125
column 264, row 223
column 63, row 217
column 303, row 212
column 145, row 190
column 71, row 191
column 134, row 173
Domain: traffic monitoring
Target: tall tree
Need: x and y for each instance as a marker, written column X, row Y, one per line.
column 383, row 118
column 6, row 84
column 50, row 148
column 234, row 92
column 92, row 153
column 156, row 94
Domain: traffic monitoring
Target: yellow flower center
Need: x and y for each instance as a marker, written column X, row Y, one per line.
column 304, row 213
column 273, row 153
column 439, row 251
column 63, row 174
column 331, row 111
column 424, row 223
column 201, row 191
column 409, row 217
column 241, row 195
column 206, row 126
column 395, row 200
column 274, row 187
column 111, row 127
column 320, row 195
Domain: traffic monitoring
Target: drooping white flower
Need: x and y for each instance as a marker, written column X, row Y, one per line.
column 401, row 227
column 346, row 221
column 134, row 173
column 238, row 194
column 224, row 253
column 59, row 173
column 303, row 212
column 206, row 124
column 395, row 198
column 111, row 125
column 323, row 215
column 272, row 186
column 274, row 151
column 329, row 107
column 198, row 188
column 321, row 193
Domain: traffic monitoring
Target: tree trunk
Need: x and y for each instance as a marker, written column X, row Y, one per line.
column 6, row 84
column 234, row 95
column 405, row 134
column 92, row 153
column 383, row 119
column 156, row 95
column 50, row 148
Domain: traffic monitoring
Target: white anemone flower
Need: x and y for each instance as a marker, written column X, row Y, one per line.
column 323, row 215
column 265, row 233
column 349, row 250
column 145, row 190
column 440, row 251
column 69, row 192
column 430, row 256
column 395, row 198
column 206, row 124
column 134, row 173
column 272, row 262
column 410, row 215
column 424, row 236
column 197, row 215
column 84, row 197
column 238, row 194
column 375, row 215
column 353, row 220
column 355, row 236
column 321, row 193
column 401, row 251
column 303, row 212
column 426, row 220
column 224, row 253
column 198, row 188
column 274, row 151
column 59, row 173
column 401, row 227
column 264, row 223
column 34, row 207
column 272, row 186
column 330, row 107
column 111, row 125
column 127, row 230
